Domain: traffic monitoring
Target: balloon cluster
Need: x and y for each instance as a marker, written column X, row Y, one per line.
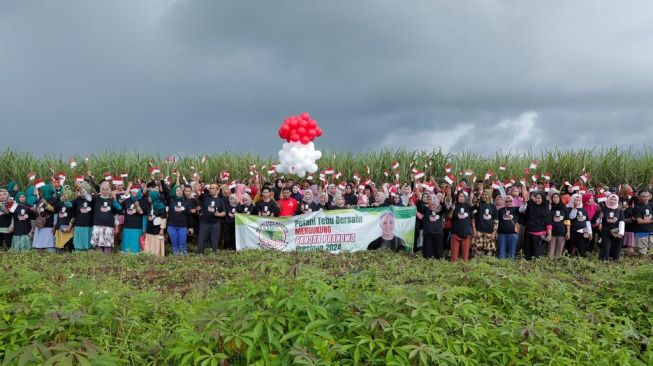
column 300, row 128
column 298, row 155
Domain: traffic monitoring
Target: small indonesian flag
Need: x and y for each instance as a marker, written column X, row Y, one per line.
column 329, row 171
column 449, row 178
column 418, row 174
column 38, row 183
column 154, row 170
column 535, row 177
column 224, row 175
column 135, row 187
column 310, row 177
column 62, row 176
column 397, row 174
column 447, row 168
column 547, row 187
column 108, row 176
column 567, row 183
column 395, row 165
column 338, row 175
column 576, row 187
column 522, row 181
column 323, row 177
column 547, row 176
column 469, row 172
column 272, row 169
column 367, row 168
column 601, row 198
column 79, row 178
column 204, row 159
column 117, row 181
column 495, row 185
column 367, row 181
column 502, row 167
column 357, row 176
column 533, row 164
column 12, row 206
column 507, row 183
column 582, row 190
column 601, row 190
column 527, row 171
column 533, row 188
column 386, row 173
column 488, row 175
column 124, row 175
column 233, row 184
column 72, row 163
column 31, row 176
column 513, row 180
column 585, row 177
column 342, row 186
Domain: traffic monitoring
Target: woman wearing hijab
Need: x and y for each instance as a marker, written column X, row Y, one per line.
column 23, row 216
column 461, row 227
column 230, row 223
column 612, row 229
column 593, row 212
column 46, row 206
column 296, row 192
column 6, row 221
column 83, row 212
column 105, row 207
column 156, row 224
column 537, row 224
column 306, row 205
column 179, row 216
column 350, row 197
column 433, row 212
column 65, row 220
column 561, row 226
column 484, row 229
column 13, row 189
column 508, row 228
column 581, row 229
column 247, row 207
column 133, row 224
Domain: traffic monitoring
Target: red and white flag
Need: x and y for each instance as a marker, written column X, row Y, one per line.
column 224, row 175
column 79, row 178
column 601, row 198
column 447, row 168
column 338, row 175
column 356, row 177
column 546, row 176
column 449, row 178
column 489, row 174
column 272, row 169
column 38, row 183
column 329, row 171
column 507, row 183
column 535, row 177
column 108, row 176
column 534, row 164
column 12, row 206
column 502, row 167
column 154, row 170
column 124, row 175
column 418, row 174
column 72, row 163
column 495, row 185
column 395, row 165
column 585, row 177
column 31, row 176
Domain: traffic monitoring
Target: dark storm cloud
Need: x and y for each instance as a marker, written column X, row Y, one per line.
column 204, row 76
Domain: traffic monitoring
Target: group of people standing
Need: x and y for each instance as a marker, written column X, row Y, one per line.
column 470, row 221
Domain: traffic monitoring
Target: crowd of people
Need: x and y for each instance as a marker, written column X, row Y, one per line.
column 478, row 219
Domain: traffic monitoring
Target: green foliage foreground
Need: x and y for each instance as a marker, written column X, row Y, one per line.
column 367, row 308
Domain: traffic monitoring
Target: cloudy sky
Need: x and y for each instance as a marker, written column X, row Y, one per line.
column 192, row 77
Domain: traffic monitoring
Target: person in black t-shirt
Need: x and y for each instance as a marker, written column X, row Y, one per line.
column 612, row 229
column 643, row 214
column 211, row 210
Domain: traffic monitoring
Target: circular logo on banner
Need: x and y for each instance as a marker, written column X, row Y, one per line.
column 272, row 235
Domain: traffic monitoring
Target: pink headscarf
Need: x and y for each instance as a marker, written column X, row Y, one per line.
column 591, row 209
column 607, row 202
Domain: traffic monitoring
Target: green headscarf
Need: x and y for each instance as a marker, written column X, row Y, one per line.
column 17, row 198
column 173, row 192
column 47, row 191
column 10, row 189
column 68, row 193
column 156, row 200
column 30, row 196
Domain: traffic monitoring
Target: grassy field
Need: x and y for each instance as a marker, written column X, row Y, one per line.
column 366, row 308
column 613, row 165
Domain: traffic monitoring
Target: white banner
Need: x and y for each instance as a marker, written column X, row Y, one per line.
column 334, row 231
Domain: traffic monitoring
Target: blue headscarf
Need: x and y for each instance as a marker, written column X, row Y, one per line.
column 157, row 204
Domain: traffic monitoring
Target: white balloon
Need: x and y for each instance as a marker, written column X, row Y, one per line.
column 317, row 155
column 313, row 168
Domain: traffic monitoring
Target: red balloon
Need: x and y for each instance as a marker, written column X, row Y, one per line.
column 305, row 140
column 294, row 137
column 312, row 132
column 318, row 132
column 311, row 124
column 305, row 116
column 293, row 123
column 301, row 131
column 287, row 120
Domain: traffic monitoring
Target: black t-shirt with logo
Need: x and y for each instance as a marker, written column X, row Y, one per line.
column 508, row 218
column 611, row 218
column 643, row 212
